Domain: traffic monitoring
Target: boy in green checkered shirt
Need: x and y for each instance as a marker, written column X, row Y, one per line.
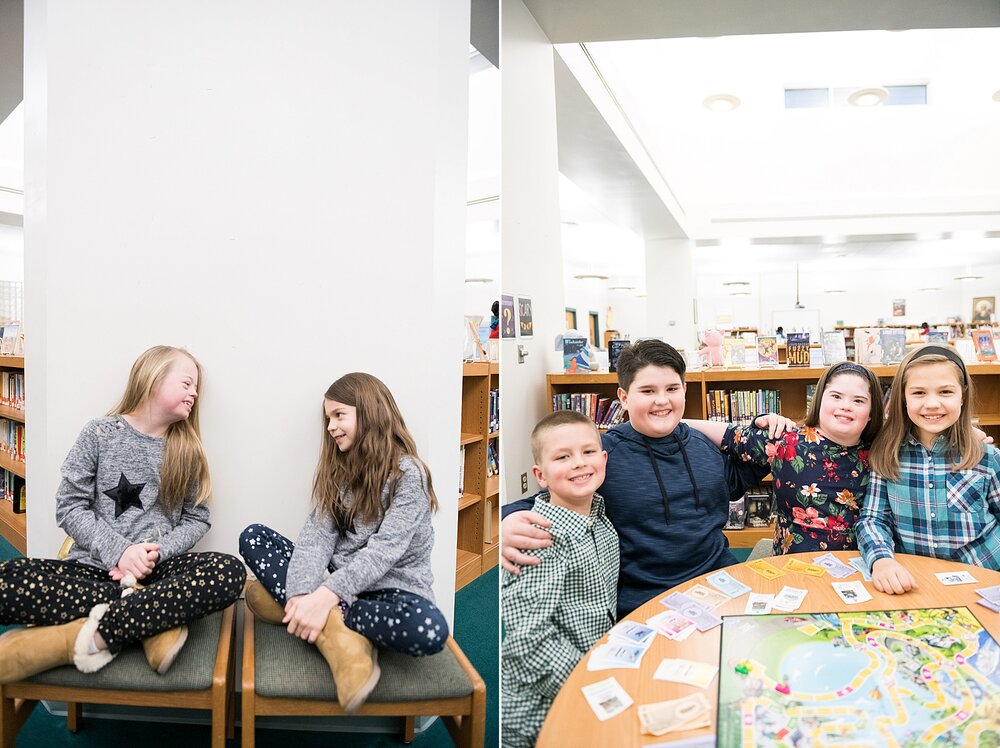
column 555, row 611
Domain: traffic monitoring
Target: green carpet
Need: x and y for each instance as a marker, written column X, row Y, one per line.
column 476, row 615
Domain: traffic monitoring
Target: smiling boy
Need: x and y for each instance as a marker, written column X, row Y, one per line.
column 555, row 611
column 667, row 488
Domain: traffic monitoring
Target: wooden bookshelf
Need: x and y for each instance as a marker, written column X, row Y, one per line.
column 478, row 506
column 13, row 527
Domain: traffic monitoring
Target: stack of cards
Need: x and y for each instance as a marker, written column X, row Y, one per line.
column 990, row 598
column 789, row 599
column 725, row 584
column 607, row 698
column 708, row 597
column 835, row 566
column 858, row 563
column 851, row 592
column 627, row 643
column 793, row 564
column 633, row 633
column 698, row 674
column 703, row 618
column 955, row 577
column 672, row 625
column 688, row 713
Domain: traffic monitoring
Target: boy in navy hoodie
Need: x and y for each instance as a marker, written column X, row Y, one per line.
column 667, row 488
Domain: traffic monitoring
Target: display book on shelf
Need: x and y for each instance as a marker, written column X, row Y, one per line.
column 13, row 525
column 791, row 387
column 479, row 482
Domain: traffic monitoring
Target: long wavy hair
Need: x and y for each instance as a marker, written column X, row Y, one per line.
column 963, row 449
column 380, row 440
column 876, row 417
column 184, row 462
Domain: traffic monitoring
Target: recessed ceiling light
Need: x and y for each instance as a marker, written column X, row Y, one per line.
column 739, row 293
column 867, row 96
column 590, row 276
column 831, row 239
column 931, row 288
column 836, row 290
column 721, row 102
column 968, row 277
column 736, row 283
column 621, row 288
column 478, row 281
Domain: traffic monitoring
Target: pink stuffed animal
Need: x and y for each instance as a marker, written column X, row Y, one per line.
column 713, row 348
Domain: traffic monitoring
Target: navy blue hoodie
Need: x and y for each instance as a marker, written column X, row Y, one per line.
column 669, row 525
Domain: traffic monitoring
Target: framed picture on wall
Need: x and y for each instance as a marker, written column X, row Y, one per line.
column 508, row 323
column 525, row 325
column 983, row 308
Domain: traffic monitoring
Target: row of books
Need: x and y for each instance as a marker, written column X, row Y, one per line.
column 603, row 411
column 12, row 392
column 14, row 491
column 740, row 406
column 494, row 423
column 12, row 439
column 753, row 509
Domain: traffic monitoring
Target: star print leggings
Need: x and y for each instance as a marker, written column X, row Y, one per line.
column 391, row 618
column 181, row 589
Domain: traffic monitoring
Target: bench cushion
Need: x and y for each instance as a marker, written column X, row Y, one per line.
column 129, row 671
column 287, row 667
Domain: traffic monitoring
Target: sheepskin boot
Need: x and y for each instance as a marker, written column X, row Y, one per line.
column 162, row 649
column 262, row 605
column 353, row 660
column 28, row 651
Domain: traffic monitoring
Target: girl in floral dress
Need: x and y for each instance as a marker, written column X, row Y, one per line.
column 820, row 469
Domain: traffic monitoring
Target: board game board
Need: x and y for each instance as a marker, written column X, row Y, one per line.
column 905, row 678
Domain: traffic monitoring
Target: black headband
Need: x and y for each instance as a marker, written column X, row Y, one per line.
column 845, row 366
column 942, row 350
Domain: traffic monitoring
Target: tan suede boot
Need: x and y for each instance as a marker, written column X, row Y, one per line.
column 162, row 649
column 353, row 660
column 26, row 652
column 262, row 605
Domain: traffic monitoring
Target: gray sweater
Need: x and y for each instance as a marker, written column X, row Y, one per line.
column 392, row 552
column 107, row 449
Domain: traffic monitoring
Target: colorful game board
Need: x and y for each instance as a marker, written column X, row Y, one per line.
column 903, row 678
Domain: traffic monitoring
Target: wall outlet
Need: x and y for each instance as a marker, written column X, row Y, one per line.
column 524, row 483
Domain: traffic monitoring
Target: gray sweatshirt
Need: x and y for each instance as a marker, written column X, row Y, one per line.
column 110, row 455
column 394, row 552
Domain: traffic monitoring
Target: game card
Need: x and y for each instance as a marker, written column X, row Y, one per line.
column 793, row 564
column 789, row 599
column 672, row 625
column 703, row 618
column 607, row 698
column 955, row 577
column 766, row 570
column 834, row 565
column 987, row 603
column 688, row 713
column 609, row 656
column 851, row 592
column 698, row 674
column 990, row 593
column 859, row 563
column 724, row 583
column 633, row 633
column 759, row 604
column 706, row 596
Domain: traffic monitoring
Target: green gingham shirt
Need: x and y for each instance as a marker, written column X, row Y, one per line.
column 933, row 510
column 554, row 612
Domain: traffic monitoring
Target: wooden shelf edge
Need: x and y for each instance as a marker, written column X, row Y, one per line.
column 13, row 414
column 12, row 362
column 468, row 566
column 469, row 438
column 468, row 499
column 13, row 527
column 748, row 536
column 9, row 463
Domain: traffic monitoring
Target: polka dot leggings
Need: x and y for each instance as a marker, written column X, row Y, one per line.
column 391, row 618
column 181, row 589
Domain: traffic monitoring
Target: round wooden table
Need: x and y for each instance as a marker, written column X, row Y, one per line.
column 571, row 721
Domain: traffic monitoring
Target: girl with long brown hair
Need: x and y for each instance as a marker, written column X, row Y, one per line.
column 370, row 528
column 935, row 485
column 133, row 499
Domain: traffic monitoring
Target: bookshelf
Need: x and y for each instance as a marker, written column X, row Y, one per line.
column 791, row 385
column 478, row 548
column 13, row 526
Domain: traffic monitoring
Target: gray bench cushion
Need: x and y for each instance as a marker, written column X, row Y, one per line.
column 129, row 671
column 287, row 667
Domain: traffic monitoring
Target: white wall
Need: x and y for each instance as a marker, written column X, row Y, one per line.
column 531, row 261
column 11, row 253
column 218, row 177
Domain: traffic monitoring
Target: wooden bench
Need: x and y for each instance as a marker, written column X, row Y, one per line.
column 283, row 675
column 202, row 677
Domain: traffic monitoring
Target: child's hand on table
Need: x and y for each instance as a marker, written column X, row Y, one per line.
column 518, row 533
column 891, row 577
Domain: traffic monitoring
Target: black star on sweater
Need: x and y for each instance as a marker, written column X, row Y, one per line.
column 125, row 494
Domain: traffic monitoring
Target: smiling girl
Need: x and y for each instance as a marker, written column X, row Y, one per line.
column 820, row 469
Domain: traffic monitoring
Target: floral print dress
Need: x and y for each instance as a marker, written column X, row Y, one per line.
column 818, row 485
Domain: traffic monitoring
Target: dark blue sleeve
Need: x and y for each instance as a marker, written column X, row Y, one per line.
column 742, row 476
column 524, row 505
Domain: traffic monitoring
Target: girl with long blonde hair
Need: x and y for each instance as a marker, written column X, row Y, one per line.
column 133, row 498
column 370, row 528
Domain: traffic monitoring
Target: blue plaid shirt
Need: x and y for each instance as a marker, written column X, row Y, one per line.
column 933, row 510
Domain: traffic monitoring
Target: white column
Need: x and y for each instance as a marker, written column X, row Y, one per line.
column 531, row 250
column 282, row 191
column 670, row 291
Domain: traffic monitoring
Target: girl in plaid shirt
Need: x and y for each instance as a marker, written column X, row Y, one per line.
column 934, row 488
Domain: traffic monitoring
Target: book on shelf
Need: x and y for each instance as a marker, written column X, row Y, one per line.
column 740, row 406
column 574, row 355
column 810, row 394
column 492, row 461
column 737, row 515
column 893, row 344
column 14, row 491
column 938, row 337
column 494, row 422
column 834, row 347
column 461, row 472
column 12, row 439
column 488, row 522
column 603, row 411
column 8, row 341
column 867, row 345
column 13, row 389
column 767, row 350
column 760, row 508
column 797, row 348
column 615, row 348
column 986, row 349
column 734, row 353
column 965, row 348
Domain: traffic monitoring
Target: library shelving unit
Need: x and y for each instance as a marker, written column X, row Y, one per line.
column 791, row 385
column 479, row 504
column 13, row 527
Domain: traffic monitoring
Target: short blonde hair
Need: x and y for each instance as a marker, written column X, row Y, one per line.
column 552, row 421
